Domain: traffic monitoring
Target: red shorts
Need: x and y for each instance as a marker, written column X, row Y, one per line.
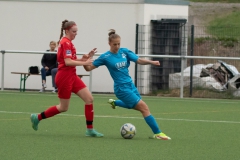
column 68, row 83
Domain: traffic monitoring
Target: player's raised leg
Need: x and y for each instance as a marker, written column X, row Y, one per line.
column 36, row 118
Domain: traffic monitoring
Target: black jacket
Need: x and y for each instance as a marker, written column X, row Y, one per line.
column 49, row 60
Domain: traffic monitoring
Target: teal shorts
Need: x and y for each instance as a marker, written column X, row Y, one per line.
column 127, row 93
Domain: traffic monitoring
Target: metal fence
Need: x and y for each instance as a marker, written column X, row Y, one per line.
column 211, row 47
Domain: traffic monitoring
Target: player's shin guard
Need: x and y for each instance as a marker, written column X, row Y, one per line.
column 52, row 111
column 152, row 124
column 89, row 114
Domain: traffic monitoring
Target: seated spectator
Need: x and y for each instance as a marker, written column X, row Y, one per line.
column 49, row 63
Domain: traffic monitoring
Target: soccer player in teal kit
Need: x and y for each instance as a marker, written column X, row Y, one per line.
column 117, row 60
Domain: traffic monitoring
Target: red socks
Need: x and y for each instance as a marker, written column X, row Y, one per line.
column 89, row 113
column 52, row 111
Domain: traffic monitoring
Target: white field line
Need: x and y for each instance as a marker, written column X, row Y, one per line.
column 165, row 119
column 149, row 98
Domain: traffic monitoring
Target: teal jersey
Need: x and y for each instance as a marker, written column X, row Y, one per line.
column 117, row 64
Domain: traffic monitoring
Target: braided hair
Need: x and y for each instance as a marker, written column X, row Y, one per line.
column 66, row 25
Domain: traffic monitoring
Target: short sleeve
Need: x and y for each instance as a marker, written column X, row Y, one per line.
column 131, row 55
column 66, row 48
column 99, row 61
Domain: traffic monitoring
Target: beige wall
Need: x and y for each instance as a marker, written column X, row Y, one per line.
column 31, row 26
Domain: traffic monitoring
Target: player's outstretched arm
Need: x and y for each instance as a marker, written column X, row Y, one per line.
column 146, row 62
column 89, row 68
column 70, row 62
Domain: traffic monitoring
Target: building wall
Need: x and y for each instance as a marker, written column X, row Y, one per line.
column 30, row 26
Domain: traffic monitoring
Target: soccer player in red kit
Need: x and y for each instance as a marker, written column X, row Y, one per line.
column 68, row 81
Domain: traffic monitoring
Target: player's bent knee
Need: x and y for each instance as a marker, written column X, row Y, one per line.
column 143, row 108
column 62, row 108
column 89, row 101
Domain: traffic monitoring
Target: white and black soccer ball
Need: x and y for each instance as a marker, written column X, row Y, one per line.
column 128, row 131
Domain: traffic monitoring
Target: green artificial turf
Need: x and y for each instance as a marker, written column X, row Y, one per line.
column 199, row 128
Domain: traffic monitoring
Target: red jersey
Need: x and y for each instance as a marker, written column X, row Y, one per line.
column 66, row 79
column 66, row 49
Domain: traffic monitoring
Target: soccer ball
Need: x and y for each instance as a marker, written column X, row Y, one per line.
column 128, row 131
